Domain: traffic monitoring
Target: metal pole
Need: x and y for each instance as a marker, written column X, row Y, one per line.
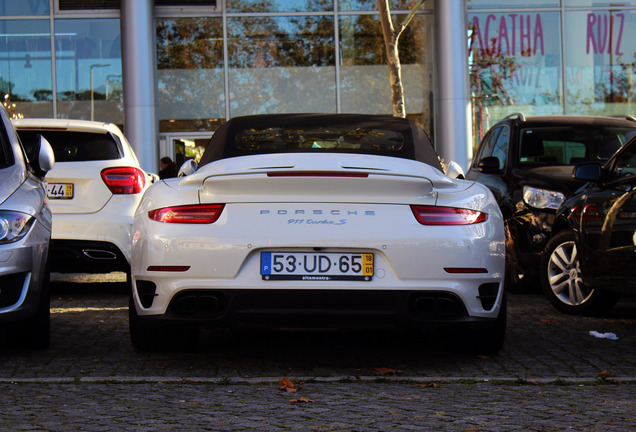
column 139, row 67
column 453, row 132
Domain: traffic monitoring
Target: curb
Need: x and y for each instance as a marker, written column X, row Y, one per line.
column 335, row 380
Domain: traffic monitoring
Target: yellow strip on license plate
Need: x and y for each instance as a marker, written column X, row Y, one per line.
column 59, row 190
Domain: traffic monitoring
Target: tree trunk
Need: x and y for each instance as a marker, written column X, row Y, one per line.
column 391, row 38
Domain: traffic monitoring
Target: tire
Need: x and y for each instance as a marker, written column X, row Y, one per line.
column 479, row 339
column 159, row 337
column 144, row 337
column 34, row 332
column 491, row 339
column 561, row 280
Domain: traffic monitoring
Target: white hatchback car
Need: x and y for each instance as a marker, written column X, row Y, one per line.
column 318, row 220
column 93, row 192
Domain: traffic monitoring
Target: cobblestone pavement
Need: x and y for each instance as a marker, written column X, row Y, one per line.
column 552, row 375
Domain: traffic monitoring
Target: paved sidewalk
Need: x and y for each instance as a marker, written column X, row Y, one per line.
column 317, row 407
column 552, row 375
column 90, row 339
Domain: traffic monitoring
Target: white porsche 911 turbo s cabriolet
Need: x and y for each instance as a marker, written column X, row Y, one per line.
column 318, row 220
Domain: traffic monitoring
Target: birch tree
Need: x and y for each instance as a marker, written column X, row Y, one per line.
column 391, row 35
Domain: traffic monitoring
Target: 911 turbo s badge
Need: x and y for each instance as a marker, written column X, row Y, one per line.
column 316, row 216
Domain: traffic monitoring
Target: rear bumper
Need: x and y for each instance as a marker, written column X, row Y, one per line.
column 111, row 224
column 318, row 308
column 73, row 256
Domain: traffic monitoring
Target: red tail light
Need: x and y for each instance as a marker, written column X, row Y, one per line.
column 124, row 180
column 189, row 214
column 432, row 215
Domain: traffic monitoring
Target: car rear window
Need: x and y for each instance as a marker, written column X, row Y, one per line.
column 570, row 145
column 69, row 146
column 279, row 139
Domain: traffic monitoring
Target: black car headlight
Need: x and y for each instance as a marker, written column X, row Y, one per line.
column 14, row 225
column 542, row 198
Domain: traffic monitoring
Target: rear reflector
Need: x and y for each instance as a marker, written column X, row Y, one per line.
column 465, row 270
column 188, row 214
column 316, row 174
column 165, row 268
column 124, row 180
column 433, row 215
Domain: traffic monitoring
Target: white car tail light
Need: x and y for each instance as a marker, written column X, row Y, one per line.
column 124, row 180
column 188, row 214
column 432, row 215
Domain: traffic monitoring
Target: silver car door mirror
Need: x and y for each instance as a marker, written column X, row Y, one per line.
column 187, row 168
column 44, row 157
column 454, row 170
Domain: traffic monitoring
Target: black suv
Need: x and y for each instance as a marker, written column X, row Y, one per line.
column 527, row 162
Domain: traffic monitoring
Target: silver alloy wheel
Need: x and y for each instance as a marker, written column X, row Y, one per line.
column 564, row 275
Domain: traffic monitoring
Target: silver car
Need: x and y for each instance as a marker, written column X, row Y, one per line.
column 25, row 232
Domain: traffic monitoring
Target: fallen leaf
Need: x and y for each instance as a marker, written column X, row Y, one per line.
column 547, row 321
column 286, row 384
column 385, row 371
column 605, row 374
column 300, row 400
column 433, row 385
column 483, row 357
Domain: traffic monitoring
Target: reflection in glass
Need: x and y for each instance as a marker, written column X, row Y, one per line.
column 515, row 65
column 507, row 4
column 281, row 64
column 601, row 54
column 190, row 72
column 372, row 5
column 599, row 3
column 88, row 64
column 364, row 74
column 25, row 66
column 24, row 8
column 255, row 6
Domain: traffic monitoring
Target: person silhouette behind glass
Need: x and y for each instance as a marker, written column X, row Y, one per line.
column 168, row 168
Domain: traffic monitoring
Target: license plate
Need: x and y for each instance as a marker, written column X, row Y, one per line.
column 319, row 266
column 59, row 190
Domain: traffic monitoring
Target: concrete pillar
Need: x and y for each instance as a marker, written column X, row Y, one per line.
column 453, row 124
column 139, row 67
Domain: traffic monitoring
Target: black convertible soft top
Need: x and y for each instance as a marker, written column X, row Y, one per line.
column 332, row 133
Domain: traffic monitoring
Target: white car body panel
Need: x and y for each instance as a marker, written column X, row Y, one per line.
column 94, row 214
column 91, row 193
column 348, row 215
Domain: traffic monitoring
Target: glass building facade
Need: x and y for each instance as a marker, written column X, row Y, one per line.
column 224, row 58
column 551, row 57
